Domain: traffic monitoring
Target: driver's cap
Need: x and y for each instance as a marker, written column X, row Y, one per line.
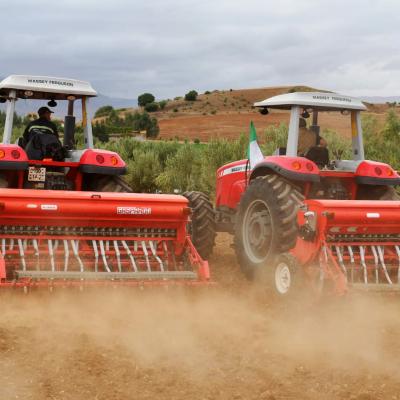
column 43, row 110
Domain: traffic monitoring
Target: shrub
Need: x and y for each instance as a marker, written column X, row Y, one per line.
column 151, row 107
column 175, row 110
column 162, row 104
column 103, row 111
column 196, row 140
column 191, row 96
column 207, row 92
column 145, row 98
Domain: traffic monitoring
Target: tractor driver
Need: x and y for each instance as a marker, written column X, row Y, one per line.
column 41, row 125
column 308, row 139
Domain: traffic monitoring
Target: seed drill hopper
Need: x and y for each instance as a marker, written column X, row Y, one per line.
column 299, row 217
column 73, row 222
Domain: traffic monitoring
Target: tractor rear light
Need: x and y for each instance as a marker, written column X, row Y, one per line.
column 296, row 165
column 114, row 160
column 15, row 154
column 378, row 171
column 100, row 159
column 2, row 154
column 389, row 172
column 309, row 166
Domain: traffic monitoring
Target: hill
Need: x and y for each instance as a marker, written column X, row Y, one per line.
column 227, row 113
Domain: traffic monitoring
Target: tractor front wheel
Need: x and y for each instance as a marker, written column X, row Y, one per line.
column 266, row 223
column 202, row 225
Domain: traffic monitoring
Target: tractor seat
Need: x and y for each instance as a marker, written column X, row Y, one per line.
column 318, row 154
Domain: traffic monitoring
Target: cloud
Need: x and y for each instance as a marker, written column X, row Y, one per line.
column 169, row 46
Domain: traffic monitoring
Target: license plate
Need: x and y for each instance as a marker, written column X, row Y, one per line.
column 36, row 174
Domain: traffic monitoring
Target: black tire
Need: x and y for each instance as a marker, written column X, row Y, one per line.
column 266, row 223
column 109, row 183
column 283, row 277
column 381, row 192
column 202, row 226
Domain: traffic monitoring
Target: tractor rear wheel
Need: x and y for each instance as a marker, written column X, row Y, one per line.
column 202, row 226
column 266, row 223
column 110, row 183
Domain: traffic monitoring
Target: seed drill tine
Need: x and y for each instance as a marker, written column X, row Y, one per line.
column 11, row 245
column 153, row 250
column 341, row 263
column 103, row 256
column 376, row 259
column 50, row 247
column 118, row 254
column 75, row 246
column 381, row 252
column 128, row 251
column 146, row 255
column 55, row 247
column 25, row 244
column 37, row 254
column 3, row 247
column 107, row 245
column 96, row 256
column 22, row 254
column 351, row 254
column 398, row 270
column 66, row 255
column 135, row 246
column 164, row 244
column 364, row 265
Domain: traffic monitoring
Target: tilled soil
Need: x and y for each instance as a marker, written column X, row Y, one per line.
column 229, row 342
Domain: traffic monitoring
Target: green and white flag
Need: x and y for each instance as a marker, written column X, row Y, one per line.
column 254, row 153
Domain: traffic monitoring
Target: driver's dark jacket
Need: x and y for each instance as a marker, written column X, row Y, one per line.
column 40, row 125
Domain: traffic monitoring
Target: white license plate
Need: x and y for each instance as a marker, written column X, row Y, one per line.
column 36, row 174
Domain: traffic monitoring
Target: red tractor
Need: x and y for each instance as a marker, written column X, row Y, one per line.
column 300, row 218
column 64, row 220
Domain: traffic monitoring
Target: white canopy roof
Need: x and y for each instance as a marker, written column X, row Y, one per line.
column 315, row 100
column 46, row 87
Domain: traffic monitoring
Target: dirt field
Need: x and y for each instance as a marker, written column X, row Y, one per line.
column 230, row 342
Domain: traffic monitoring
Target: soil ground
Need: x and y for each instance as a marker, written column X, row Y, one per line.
column 228, row 342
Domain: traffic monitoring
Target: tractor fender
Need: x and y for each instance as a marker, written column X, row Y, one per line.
column 13, row 157
column 291, row 168
column 376, row 173
column 104, row 162
column 231, row 183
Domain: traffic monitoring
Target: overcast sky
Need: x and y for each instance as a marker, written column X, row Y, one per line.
column 168, row 47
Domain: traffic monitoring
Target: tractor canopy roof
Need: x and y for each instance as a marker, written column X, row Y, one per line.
column 316, row 100
column 46, row 87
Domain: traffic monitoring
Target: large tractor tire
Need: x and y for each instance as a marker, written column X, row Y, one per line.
column 266, row 223
column 110, row 183
column 202, row 226
column 381, row 192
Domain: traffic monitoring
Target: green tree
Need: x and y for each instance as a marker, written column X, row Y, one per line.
column 145, row 98
column 191, row 96
column 143, row 122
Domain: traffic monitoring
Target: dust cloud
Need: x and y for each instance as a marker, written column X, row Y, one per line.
column 221, row 343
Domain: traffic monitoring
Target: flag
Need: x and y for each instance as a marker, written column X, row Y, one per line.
column 254, row 153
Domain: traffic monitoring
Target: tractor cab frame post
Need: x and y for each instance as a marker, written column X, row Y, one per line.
column 293, row 136
column 87, row 124
column 12, row 98
column 356, row 136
